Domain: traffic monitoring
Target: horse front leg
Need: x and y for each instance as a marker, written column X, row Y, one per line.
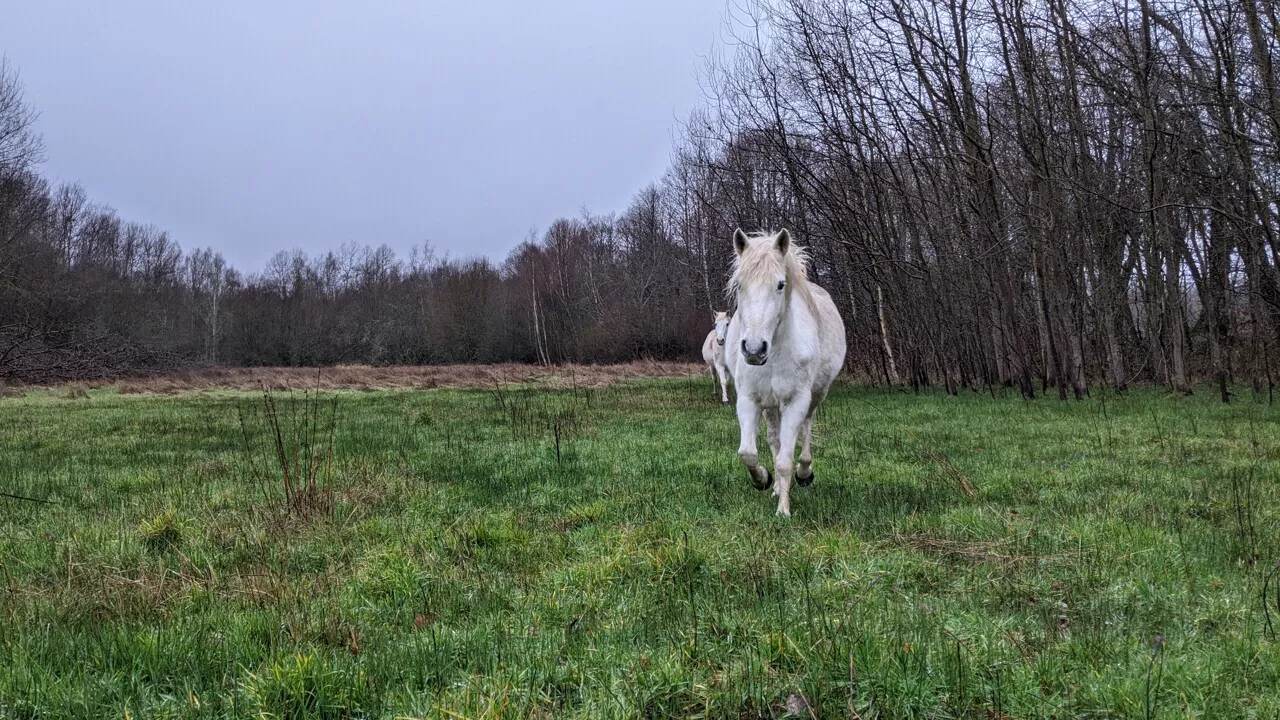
column 724, row 388
column 772, row 423
column 749, row 424
column 804, row 472
column 793, row 417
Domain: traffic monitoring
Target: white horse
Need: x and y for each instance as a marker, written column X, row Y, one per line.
column 713, row 354
column 785, row 347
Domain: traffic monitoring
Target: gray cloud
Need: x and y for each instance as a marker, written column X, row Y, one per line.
column 255, row 127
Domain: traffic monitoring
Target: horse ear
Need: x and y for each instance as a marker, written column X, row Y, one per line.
column 739, row 240
column 783, row 241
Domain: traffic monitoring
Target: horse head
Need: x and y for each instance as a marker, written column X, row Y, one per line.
column 722, row 326
column 766, row 271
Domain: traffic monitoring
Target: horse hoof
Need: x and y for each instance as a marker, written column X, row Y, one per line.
column 768, row 483
column 804, row 482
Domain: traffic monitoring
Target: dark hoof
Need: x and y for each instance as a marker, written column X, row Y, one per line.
column 768, row 483
column 804, row 482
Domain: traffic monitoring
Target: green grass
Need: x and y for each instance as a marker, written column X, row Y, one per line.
column 454, row 563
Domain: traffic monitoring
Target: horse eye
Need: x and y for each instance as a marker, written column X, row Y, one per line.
column 781, row 284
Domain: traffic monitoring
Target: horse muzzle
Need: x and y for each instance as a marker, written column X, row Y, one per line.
column 719, row 341
column 755, row 356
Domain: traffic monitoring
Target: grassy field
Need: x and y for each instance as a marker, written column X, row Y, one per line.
column 529, row 552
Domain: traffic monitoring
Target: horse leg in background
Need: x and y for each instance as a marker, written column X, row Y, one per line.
column 804, row 473
column 793, row 417
column 749, row 424
column 724, row 388
column 773, row 423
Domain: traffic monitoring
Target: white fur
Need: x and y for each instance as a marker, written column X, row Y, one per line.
column 713, row 354
column 789, row 377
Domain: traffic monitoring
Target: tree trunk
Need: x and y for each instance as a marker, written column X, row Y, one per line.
column 891, row 366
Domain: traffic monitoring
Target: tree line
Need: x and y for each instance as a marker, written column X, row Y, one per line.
column 85, row 293
column 1042, row 194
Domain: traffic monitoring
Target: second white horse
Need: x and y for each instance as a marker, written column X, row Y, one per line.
column 713, row 354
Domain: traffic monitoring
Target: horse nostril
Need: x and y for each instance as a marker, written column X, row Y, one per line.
column 744, row 347
column 764, row 348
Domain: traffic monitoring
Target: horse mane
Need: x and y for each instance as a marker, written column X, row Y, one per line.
column 761, row 262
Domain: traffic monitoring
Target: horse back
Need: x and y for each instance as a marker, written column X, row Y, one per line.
column 831, row 338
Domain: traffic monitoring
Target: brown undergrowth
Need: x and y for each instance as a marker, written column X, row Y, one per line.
column 399, row 377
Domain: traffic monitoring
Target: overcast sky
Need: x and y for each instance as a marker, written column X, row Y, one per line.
column 253, row 127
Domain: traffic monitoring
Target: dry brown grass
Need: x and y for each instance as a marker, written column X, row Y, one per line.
column 972, row 551
column 153, row 590
column 75, row 392
column 400, row 377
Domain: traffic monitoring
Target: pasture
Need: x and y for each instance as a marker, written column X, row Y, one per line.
column 531, row 551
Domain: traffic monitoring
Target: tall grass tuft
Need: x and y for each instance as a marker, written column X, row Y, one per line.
column 288, row 447
column 161, row 532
